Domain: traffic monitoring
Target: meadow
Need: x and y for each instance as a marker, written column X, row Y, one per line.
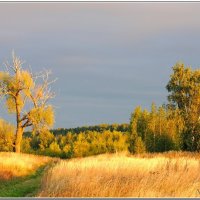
column 172, row 174
column 122, row 175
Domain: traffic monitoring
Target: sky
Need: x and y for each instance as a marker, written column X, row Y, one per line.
column 108, row 57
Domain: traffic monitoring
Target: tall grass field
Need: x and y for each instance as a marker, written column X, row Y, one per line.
column 110, row 175
column 167, row 175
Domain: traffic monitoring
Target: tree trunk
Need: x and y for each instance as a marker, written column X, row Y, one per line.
column 19, row 133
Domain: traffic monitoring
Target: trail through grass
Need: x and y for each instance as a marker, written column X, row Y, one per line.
column 22, row 186
column 20, row 174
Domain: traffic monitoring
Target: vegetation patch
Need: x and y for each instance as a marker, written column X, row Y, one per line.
column 22, row 186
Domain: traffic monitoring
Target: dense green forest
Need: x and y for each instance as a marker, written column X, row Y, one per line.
column 172, row 126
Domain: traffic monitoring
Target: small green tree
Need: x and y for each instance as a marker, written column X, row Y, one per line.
column 136, row 144
column 139, row 146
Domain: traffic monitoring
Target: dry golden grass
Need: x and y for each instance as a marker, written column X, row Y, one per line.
column 16, row 165
column 120, row 175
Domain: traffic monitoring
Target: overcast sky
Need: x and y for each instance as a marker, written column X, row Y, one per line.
column 108, row 57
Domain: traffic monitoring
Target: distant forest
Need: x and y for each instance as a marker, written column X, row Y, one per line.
column 98, row 128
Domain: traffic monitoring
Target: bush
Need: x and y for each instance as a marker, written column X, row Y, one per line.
column 7, row 131
column 53, row 150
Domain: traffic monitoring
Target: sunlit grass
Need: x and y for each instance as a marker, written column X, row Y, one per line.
column 17, row 165
column 120, row 175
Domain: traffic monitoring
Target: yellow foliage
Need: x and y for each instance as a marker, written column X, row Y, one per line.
column 7, row 131
column 16, row 165
column 26, row 81
column 10, row 103
column 67, row 148
column 42, row 117
column 48, row 115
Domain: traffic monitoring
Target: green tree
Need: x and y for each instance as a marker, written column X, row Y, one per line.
column 160, row 129
column 22, row 90
column 139, row 146
column 184, row 94
column 136, row 144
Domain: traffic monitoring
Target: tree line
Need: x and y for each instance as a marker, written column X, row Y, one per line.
column 66, row 145
column 173, row 126
column 98, row 128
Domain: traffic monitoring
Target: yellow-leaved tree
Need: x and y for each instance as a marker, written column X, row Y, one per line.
column 26, row 95
column 184, row 94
